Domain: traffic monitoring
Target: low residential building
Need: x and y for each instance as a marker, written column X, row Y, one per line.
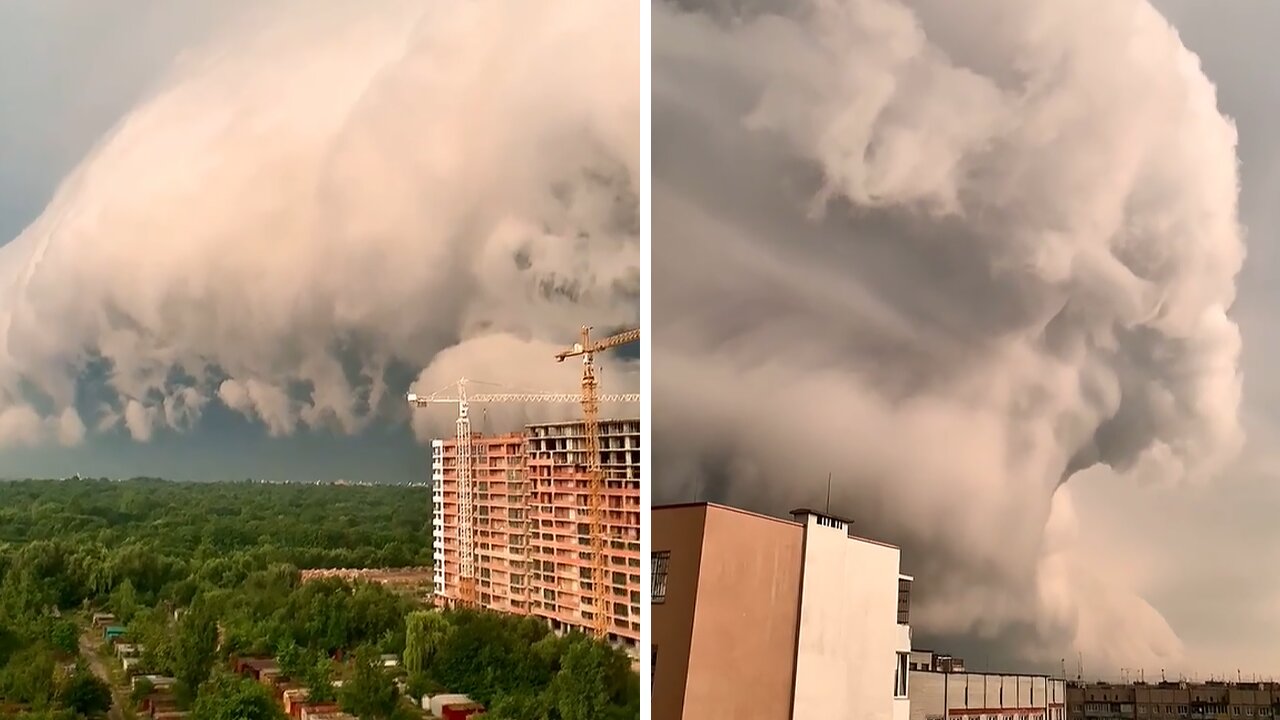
column 437, row 703
column 461, row 711
column 754, row 616
column 1173, row 701
column 260, row 669
column 157, row 682
column 938, row 694
column 935, row 661
column 319, row 711
column 292, row 697
column 125, row 650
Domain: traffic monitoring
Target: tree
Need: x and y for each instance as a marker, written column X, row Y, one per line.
column 420, row 684
column 85, row 693
column 141, row 689
column 227, row 697
column 368, row 693
column 524, row 706
column 64, row 636
column 28, row 677
column 292, row 660
column 195, row 641
column 318, row 678
column 426, row 632
column 585, row 685
column 124, row 601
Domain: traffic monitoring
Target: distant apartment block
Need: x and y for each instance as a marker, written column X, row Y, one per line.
column 532, row 528
column 773, row 619
column 935, row 661
column 941, row 689
column 1173, row 701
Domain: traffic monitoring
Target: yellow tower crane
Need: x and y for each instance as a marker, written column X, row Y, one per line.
column 595, row 474
column 466, row 461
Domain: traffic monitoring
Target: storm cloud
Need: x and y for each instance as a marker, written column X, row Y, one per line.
column 321, row 197
column 953, row 255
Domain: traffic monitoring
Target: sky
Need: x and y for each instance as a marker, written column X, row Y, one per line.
column 233, row 234
column 1006, row 273
column 1200, row 550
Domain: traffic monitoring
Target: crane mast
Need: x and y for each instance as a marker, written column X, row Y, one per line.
column 466, row 504
column 595, row 473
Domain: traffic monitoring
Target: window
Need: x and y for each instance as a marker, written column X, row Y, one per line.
column 658, row 590
column 900, row 677
column 904, row 601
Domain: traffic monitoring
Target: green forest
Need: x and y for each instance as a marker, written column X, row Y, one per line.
column 200, row 573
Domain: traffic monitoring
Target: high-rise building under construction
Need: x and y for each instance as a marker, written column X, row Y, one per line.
column 532, row 525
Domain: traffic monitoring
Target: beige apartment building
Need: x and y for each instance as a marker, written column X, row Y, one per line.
column 758, row 617
column 532, row 528
column 1173, row 701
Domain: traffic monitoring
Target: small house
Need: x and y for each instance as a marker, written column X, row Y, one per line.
column 254, row 667
column 113, row 632
column 269, row 675
column 292, row 700
column 158, row 682
column 437, row 702
column 461, row 711
column 159, row 702
column 312, row 712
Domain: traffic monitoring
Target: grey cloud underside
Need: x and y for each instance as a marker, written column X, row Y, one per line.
column 951, row 258
column 316, row 201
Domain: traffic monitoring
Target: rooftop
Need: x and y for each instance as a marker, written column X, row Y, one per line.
column 729, row 508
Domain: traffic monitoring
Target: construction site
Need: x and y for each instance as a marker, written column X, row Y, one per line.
column 544, row 521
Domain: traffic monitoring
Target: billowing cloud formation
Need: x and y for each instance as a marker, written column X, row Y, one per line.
column 952, row 254
column 326, row 195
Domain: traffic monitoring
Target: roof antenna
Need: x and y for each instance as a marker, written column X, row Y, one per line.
column 828, row 494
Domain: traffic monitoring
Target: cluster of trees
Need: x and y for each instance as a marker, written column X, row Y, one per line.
column 518, row 668
column 270, row 613
column 42, row 676
column 201, row 572
column 228, row 552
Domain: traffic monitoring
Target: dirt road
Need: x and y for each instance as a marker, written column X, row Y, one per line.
column 90, row 653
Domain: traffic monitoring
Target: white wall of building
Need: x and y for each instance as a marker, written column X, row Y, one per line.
column 437, row 512
column 902, row 705
column 985, row 696
column 849, row 635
